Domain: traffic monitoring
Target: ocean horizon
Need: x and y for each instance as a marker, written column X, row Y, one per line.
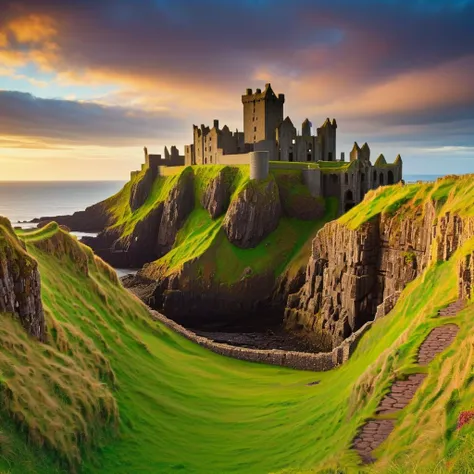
column 22, row 201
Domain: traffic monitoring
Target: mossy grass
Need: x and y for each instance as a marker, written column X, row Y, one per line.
column 122, row 393
column 175, row 400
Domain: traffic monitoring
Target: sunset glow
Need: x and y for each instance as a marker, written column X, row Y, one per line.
column 85, row 85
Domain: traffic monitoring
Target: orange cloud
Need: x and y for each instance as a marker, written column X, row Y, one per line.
column 30, row 38
column 32, row 28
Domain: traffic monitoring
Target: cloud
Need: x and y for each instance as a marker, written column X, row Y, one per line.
column 390, row 71
column 80, row 123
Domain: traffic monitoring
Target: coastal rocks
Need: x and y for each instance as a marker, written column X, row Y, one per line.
column 176, row 209
column 352, row 272
column 253, row 215
column 20, row 286
column 92, row 219
column 339, row 295
column 153, row 236
column 204, row 303
column 142, row 189
column 216, row 197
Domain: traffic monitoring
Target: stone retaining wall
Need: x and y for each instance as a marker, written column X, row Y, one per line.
column 317, row 362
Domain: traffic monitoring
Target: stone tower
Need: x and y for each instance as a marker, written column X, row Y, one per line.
column 263, row 112
column 327, row 140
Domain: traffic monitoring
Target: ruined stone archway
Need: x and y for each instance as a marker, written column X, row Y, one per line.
column 390, row 178
column 381, row 179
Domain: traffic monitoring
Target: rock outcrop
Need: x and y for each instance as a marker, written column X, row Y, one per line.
column 93, row 219
column 153, row 236
column 254, row 214
column 176, row 209
column 20, row 286
column 204, row 303
column 216, row 197
column 352, row 272
column 142, row 189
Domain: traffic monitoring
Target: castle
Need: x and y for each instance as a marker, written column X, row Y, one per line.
column 270, row 141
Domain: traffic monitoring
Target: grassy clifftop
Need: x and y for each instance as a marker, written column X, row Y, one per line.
column 117, row 392
column 202, row 237
column 453, row 194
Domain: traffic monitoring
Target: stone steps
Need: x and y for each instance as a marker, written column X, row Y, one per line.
column 376, row 431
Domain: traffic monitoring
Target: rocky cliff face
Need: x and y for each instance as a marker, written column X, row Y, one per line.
column 142, row 189
column 216, row 197
column 352, row 272
column 253, row 215
column 20, row 286
column 176, row 209
column 204, row 303
column 153, row 236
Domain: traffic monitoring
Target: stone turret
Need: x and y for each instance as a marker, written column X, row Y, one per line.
column 364, row 154
column 354, row 155
column 306, row 128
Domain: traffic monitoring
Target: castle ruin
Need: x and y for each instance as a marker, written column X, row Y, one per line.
column 271, row 142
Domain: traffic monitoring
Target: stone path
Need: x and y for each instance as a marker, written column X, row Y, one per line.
column 400, row 395
column 452, row 309
column 375, row 432
column 438, row 340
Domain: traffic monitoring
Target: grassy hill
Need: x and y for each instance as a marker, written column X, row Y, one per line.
column 114, row 391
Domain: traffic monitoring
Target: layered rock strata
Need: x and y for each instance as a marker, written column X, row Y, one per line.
column 352, row 272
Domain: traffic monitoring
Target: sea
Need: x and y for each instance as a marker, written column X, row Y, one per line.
column 22, row 201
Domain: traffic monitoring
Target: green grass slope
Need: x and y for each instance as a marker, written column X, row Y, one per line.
column 123, row 394
column 201, row 237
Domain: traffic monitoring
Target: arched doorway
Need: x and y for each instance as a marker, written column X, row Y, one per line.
column 348, row 200
column 381, row 179
column 375, row 177
column 390, row 179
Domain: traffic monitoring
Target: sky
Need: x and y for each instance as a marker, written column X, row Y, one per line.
column 86, row 84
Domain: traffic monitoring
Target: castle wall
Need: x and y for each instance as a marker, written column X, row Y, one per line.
column 332, row 185
column 305, row 146
column 312, row 180
column 286, row 133
column 199, row 137
column 237, row 159
column 327, row 141
column 273, row 117
column 268, row 146
column 189, row 155
column 321, row 361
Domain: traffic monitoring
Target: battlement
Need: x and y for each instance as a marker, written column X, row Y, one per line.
column 267, row 94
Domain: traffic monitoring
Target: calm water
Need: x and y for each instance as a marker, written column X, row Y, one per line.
column 23, row 201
